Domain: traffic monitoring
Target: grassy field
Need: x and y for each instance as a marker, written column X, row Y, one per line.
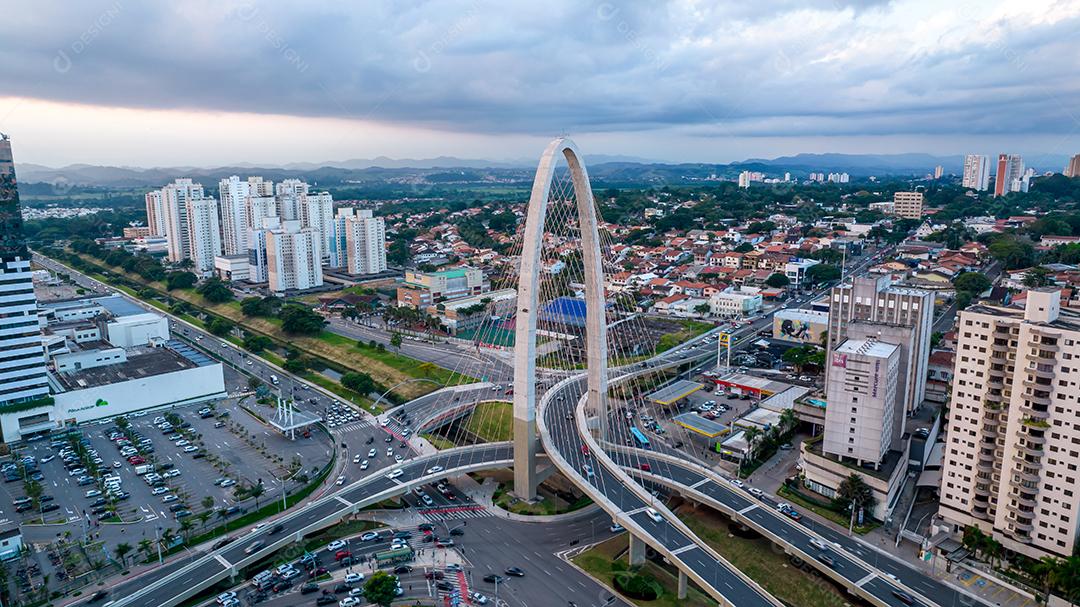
column 493, row 422
column 832, row 515
column 545, row 505
column 601, row 562
column 438, row 442
column 764, row 563
column 386, row 367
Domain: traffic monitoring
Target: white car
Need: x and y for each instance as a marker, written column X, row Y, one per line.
column 820, row 545
column 389, row 451
column 349, row 602
column 737, row 483
column 371, row 453
column 434, row 469
column 335, row 545
column 369, row 536
column 395, row 473
column 340, row 480
column 354, row 578
column 654, row 515
column 364, row 465
column 169, row 498
column 93, row 493
column 225, row 596
column 356, row 459
column 478, row 598
column 398, row 458
column 754, row 491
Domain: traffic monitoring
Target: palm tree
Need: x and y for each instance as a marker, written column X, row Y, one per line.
column 167, row 537
column 208, row 502
column 185, row 528
column 256, row 491
column 1046, row 571
column 788, row 419
column 1068, row 578
column 146, row 547
column 203, row 517
column 855, row 494
column 121, row 551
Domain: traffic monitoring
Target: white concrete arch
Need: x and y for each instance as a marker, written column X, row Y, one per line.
column 525, row 438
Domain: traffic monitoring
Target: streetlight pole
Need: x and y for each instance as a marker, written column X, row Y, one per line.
column 158, row 542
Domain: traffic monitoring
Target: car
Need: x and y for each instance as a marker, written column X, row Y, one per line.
column 492, row 578
column 114, row 464
column 172, row 473
column 389, row 439
column 225, row 596
column 254, row 547
column 754, row 491
column 903, row 597
column 453, row 567
column 340, row 480
column 515, row 571
column 168, row 498
column 616, row 528
column 403, row 569
column 335, row 545
column 371, row 453
column 736, row 482
column 349, row 601
column 654, row 515
column 587, row 469
column 98, row 596
column 820, row 545
column 396, row 473
column 354, row 578
column 585, row 450
column 645, row 467
column 457, row 531
column 190, row 449
column 369, row 536
column 434, row 469
column 93, row 493
column 278, row 528
column 793, row 514
column 228, row 483
column 309, row 587
column 290, row 574
column 398, row 459
column 444, row 543
column 444, row 585
column 356, row 592
column 364, row 465
column 478, row 599
column 342, row 554
column 324, row 599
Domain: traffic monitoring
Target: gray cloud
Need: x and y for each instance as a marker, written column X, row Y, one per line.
column 729, row 68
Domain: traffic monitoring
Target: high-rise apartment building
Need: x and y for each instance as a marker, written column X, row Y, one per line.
column 203, row 235
column 256, row 209
column 1010, row 172
column 939, row 171
column 294, row 257
column 1012, row 442
column 289, row 192
column 338, row 246
column 174, row 197
column 976, row 172
column 23, row 376
column 862, row 384
column 908, row 205
column 365, row 243
column 258, row 262
column 233, row 195
column 258, row 186
column 317, row 212
column 1073, row 168
column 155, row 213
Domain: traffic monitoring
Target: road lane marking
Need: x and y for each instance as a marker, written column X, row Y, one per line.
column 684, row 549
column 748, row 508
column 699, row 483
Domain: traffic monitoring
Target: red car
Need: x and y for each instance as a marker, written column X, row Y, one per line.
column 135, row 460
column 340, row 554
column 646, row 467
column 585, row 449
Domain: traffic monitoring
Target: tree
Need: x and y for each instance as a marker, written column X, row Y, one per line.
column 702, row 308
column 180, row 280
column 146, row 547
column 208, row 502
column 359, row 382
column 800, row 356
column 214, row 290
column 745, row 247
column 204, row 516
column 972, row 282
column 854, row 493
column 1037, row 277
column 257, row 343
column 395, row 340
column 381, row 588
column 186, row 525
column 256, row 491
column 121, row 551
column 300, row 320
column 296, row 365
column 822, row 272
column 259, row 306
column 777, row 280
column 1045, row 570
column 219, row 326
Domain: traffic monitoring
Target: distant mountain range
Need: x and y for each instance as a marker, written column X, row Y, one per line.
column 448, row 169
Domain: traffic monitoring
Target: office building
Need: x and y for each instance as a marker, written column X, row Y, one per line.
column 365, row 243
column 155, row 213
column 1073, row 168
column 1011, row 456
column 976, row 172
column 862, row 385
column 908, row 205
column 317, row 212
column 233, row 195
column 422, row 289
column 1010, row 172
column 883, row 308
column 23, row 377
column 293, row 257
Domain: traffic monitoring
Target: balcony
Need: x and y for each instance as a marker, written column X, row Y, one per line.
column 1042, row 356
column 1026, row 502
column 1038, row 415
column 1028, row 449
column 1030, row 463
column 1043, row 373
column 996, row 383
column 987, row 457
column 982, row 492
column 1002, row 348
column 1033, row 439
column 1027, row 475
column 1039, row 398
column 982, row 466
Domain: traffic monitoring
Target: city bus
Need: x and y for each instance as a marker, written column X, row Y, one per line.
column 639, row 437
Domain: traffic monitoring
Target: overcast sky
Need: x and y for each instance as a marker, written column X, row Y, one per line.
column 211, row 82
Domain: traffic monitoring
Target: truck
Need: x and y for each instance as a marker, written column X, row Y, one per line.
column 274, row 379
column 143, row 469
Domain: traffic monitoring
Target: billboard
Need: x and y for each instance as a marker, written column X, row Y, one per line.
column 801, row 326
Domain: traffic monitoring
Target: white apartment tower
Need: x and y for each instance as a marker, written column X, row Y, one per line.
column 1012, row 439
column 289, row 193
column 294, row 257
column 862, row 385
column 233, row 195
column 976, row 172
column 23, row 375
column 317, row 212
column 365, row 238
column 256, row 208
column 1010, row 172
column 257, row 186
column 204, row 237
column 174, row 197
column 337, row 251
column 258, row 263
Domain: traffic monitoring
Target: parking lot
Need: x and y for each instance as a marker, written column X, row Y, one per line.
column 152, row 476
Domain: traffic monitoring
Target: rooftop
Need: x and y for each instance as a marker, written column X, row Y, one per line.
column 677, row 390
column 141, row 362
column 866, row 347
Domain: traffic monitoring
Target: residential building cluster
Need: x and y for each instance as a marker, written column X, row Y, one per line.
column 282, row 234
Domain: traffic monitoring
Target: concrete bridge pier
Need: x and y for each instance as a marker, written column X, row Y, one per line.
column 682, row 584
column 637, row 551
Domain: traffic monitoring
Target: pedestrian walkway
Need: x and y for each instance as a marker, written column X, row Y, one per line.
column 452, row 513
column 354, row 426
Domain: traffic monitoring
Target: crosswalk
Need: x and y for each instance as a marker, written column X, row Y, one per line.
column 354, row 426
column 454, row 513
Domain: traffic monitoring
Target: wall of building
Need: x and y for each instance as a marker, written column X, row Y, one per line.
column 137, row 330
column 177, row 388
column 89, row 359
